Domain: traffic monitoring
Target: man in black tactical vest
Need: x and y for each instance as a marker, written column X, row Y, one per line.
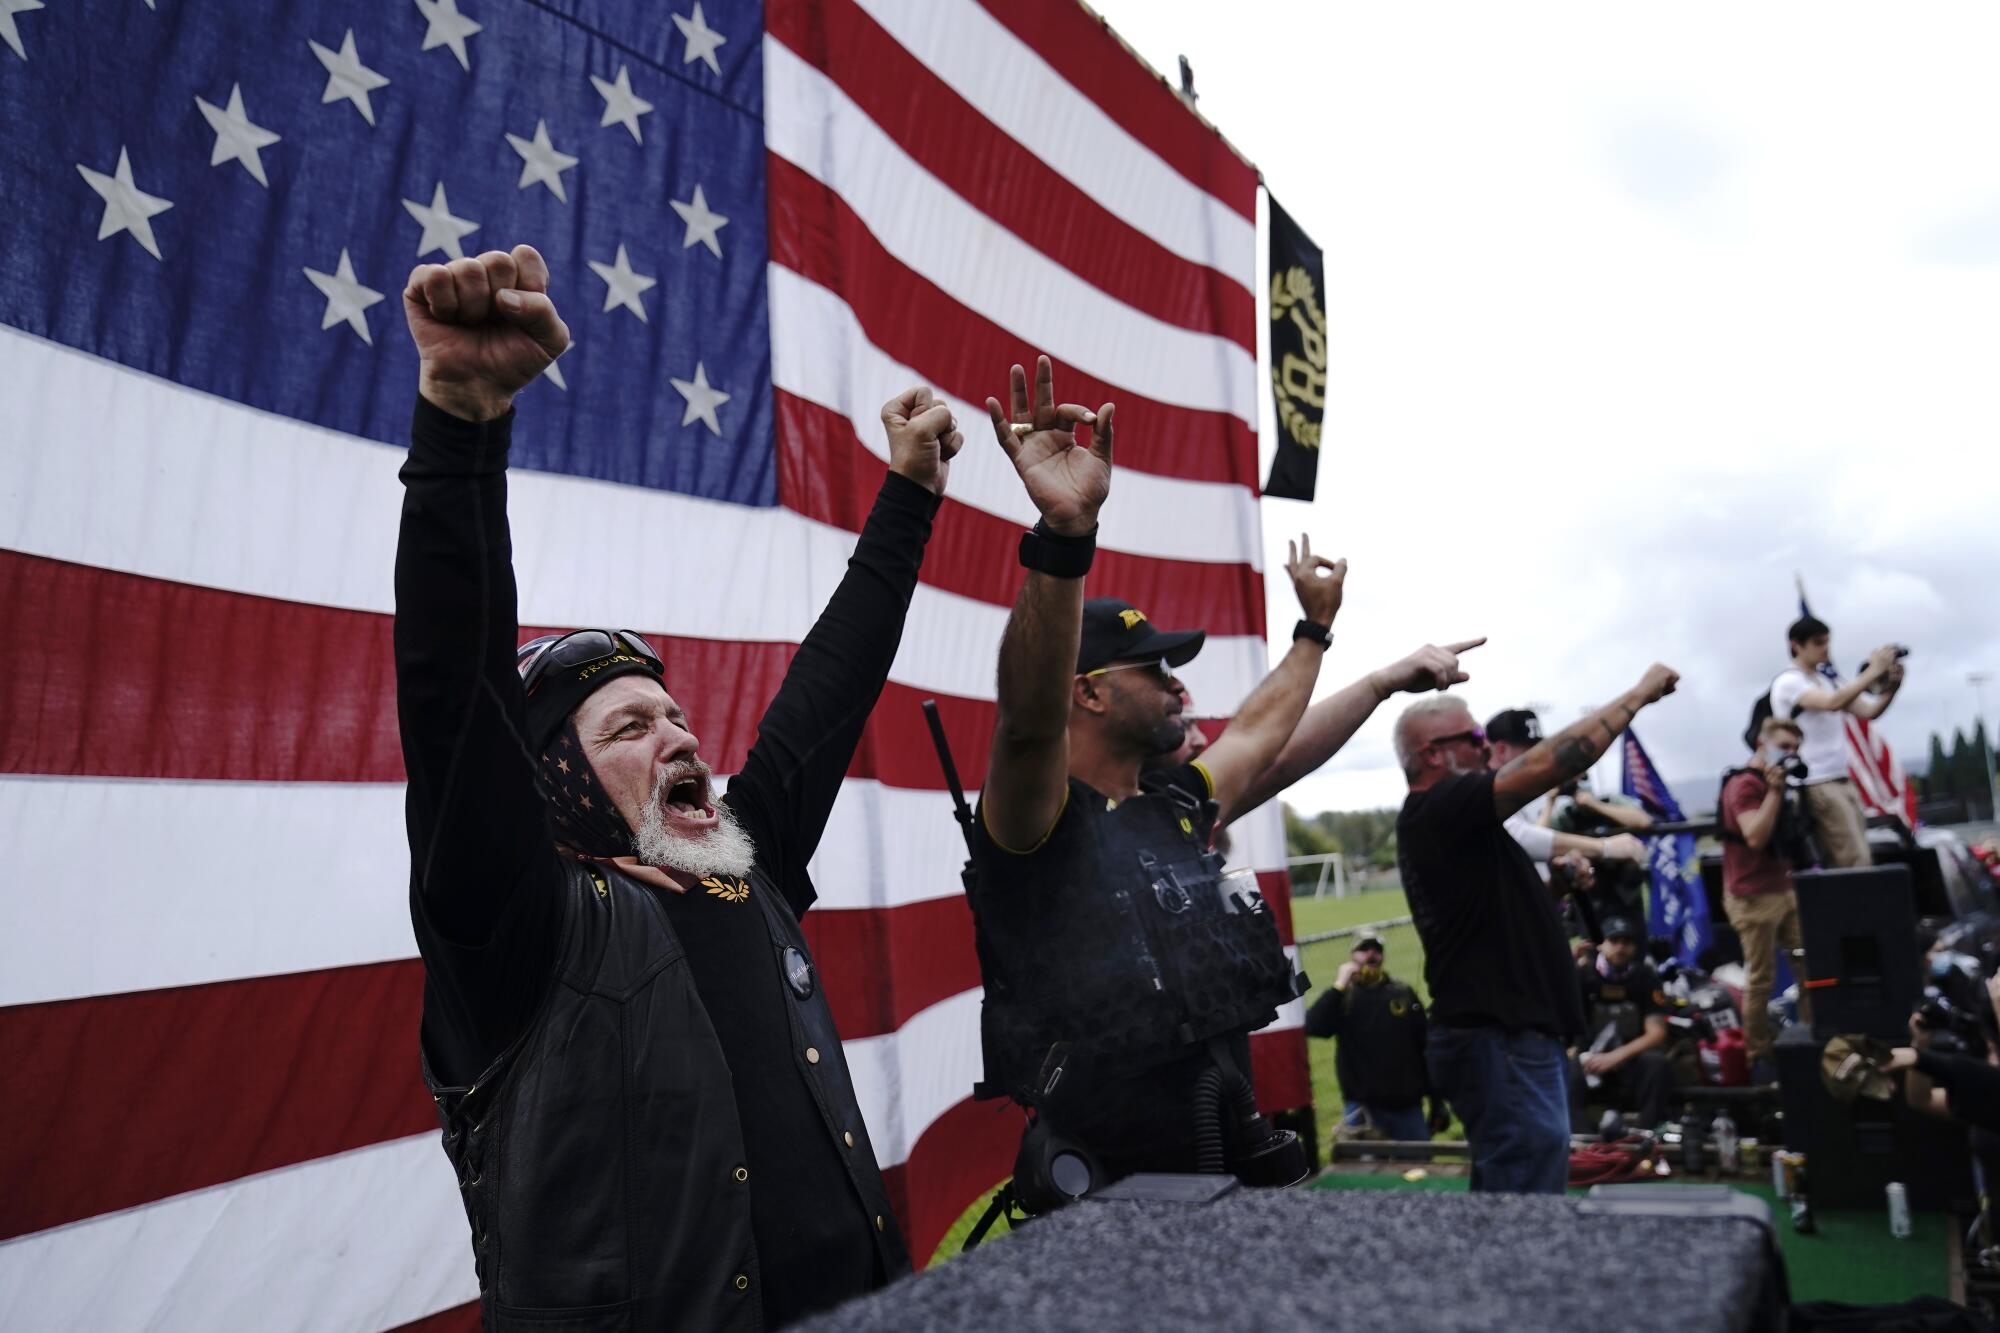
column 1122, row 974
column 639, row 1079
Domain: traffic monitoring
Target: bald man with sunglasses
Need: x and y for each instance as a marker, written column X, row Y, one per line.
column 1084, row 879
column 1504, row 997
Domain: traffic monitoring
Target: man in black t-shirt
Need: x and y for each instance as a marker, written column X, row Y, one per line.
column 1504, row 997
column 1624, row 1027
column 1065, row 823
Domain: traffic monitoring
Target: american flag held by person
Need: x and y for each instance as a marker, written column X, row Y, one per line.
column 763, row 222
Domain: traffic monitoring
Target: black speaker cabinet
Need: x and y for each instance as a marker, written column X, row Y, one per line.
column 1854, row 1150
column 1860, row 928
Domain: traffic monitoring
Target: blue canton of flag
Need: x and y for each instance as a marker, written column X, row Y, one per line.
column 233, row 200
column 1677, row 904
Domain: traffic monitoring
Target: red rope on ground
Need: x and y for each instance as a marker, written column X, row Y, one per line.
column 1606, row 1163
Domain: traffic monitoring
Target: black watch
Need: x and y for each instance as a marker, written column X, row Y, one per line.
column 1312, row 632
column 1056, row 555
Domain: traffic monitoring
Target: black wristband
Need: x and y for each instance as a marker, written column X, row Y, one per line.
column 1056, row 555
column 1313, row 633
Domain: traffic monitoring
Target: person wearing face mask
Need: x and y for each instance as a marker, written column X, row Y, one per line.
column 639, row 1079
column 1504, row 998
column 1379, row 1023
column 1626, row 1024
column 1757, row 892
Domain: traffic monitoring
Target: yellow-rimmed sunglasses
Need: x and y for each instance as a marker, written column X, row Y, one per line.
column 1163, row 673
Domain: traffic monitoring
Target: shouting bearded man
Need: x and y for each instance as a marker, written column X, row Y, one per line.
column 639, row 1078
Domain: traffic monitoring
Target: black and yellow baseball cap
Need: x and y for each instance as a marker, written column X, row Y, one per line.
column 1117, row 631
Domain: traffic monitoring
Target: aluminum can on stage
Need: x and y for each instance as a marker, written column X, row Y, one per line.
column 1785, row 1172
column 1899, row 1210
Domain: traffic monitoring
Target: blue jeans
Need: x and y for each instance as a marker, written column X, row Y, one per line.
column 1509, row 1090
column 1405, row 1125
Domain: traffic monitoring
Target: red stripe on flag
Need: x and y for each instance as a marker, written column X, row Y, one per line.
column 124, row 1099
column 458, row 1319
column 814, row 233
column 882, row 966
column 988, row 169
column 109, row 674
column 825, row 474
column 964, row 1153
column 1074, row 41
column 1283, row 1076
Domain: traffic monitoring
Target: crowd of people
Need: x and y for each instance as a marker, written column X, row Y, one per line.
column 639, row 1080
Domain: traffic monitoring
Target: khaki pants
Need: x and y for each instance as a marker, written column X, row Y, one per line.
column 1839, row 823
column 1765, row 922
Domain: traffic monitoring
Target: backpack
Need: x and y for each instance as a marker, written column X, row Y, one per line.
column 1758, row 712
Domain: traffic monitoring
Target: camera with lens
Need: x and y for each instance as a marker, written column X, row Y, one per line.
column 1955, row 1009
column 1794, row 769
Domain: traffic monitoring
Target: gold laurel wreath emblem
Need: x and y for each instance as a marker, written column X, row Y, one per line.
column 736, row 892
column 1298, row 379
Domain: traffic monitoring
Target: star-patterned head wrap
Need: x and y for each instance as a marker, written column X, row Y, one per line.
column 585, row 820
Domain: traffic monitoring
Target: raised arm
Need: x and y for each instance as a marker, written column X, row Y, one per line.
column 1758, row 822
column 1332, row 722
column 1266, row 719
column 1570, row 752
column 806, row 738
column 1027, row 771
column 478, row 839
column 1848, row 698
column 1625, row 816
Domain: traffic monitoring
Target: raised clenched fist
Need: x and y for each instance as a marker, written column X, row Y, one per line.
column 483, row 328
column 1658, row 682
column 923, row 438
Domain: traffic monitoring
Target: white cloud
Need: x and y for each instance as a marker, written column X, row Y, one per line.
column 1634, row 314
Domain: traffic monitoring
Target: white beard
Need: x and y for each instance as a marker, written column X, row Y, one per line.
column 725, row 849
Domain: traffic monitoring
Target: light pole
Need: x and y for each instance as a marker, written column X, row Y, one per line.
column 1978, row 679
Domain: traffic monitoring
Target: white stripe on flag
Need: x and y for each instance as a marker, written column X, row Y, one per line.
column 183, row 486
column 361, row 1240
column 167, row 909
column 1006, row 81
column 812, row 124
column 819, row 352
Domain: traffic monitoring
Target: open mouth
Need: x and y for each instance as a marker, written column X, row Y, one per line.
column 687, row 802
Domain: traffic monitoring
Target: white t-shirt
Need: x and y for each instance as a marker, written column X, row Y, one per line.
column 1525, row 828
column 1825, row 745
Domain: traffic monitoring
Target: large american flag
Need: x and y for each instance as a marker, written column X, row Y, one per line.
column 762, row 223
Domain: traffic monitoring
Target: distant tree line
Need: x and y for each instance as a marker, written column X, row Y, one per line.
column 1366, row 835
column 1959, row 774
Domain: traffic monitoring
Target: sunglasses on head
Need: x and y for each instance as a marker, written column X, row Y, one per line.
column 1161, row 673
column 536, row 658
column 1477, row 736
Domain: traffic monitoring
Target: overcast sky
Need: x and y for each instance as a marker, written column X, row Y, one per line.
column 1634, row 313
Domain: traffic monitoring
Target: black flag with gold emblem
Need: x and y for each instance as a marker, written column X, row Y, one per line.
column 1298, row 356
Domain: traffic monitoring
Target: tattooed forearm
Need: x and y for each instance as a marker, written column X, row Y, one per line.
column 1574, row 755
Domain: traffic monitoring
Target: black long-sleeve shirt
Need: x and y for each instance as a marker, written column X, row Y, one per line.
column 1382, row 1033
column 1971, row 1087
column 485, row 883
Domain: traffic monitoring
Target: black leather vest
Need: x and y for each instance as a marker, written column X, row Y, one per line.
column 600, row 1157
column 1123, row 949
